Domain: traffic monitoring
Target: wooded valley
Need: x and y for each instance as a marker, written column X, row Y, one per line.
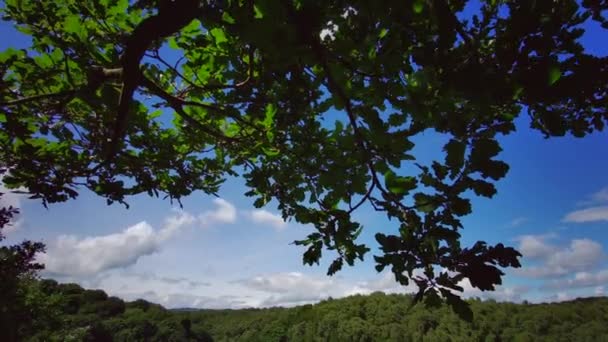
column 66, row 312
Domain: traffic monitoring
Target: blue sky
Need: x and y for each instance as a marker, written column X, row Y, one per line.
column 553, row 205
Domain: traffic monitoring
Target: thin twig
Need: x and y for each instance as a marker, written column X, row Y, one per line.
column 38, row 97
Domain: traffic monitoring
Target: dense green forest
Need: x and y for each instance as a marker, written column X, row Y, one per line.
column 49, row 311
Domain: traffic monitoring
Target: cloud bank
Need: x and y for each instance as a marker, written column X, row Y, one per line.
column 69, row 255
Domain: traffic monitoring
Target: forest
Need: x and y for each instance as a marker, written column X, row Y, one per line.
column 66, row 312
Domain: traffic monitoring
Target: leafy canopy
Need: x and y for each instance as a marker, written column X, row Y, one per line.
column 251, row 93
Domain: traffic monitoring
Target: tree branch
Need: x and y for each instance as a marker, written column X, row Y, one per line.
column 177, row 104
column 38, row 97
column 172, row 16
column 360, row 140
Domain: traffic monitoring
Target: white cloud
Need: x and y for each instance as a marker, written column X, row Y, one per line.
column 535, row 246
column 588, row 215
column 174, row 223
column 289, row 282
column 166, row 280
column 518, row 221
column 224, row 213
column 265, row 217
column 599, row 291
column 10, row 198
column 16, row 224
column 277, row 289
column 580, row 280
column 289, row 289
column 501, row 294
column 295, row 288
column 581, row 255
column 597, row 209
column 73, row 256
column 15, row 200
column 558, row 297
column 185, row 300
column 600, row 196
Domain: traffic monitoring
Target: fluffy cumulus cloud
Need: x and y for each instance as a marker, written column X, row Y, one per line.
column 554, row 261
column 70, row 255
column 224, row 212
column 73, row 256
column 265, row 217
column 535, row 246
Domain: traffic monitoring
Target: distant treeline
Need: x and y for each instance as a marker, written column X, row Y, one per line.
column 48, row 311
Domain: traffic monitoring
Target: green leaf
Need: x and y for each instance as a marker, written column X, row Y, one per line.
column 494, row 169
column 444, row 234
column 424, row 202
column 269, row 114
column 173, row 43
column 9, row 54
column 461, row 206
column 219, row 36
column 72, row 24
column 484, row 149
column 257, row 12
column 483, row 188
column 271, row 151
column 399, row 185
column 455, row 150
column 382, row 33
column 312, row 255
column 418, row 6
column 554, row 75
column 335, row 266
column 228, row 18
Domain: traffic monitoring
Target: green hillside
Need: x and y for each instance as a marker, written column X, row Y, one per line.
column 66, row 312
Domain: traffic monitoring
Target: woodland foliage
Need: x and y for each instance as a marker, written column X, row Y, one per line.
column 91, row 315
